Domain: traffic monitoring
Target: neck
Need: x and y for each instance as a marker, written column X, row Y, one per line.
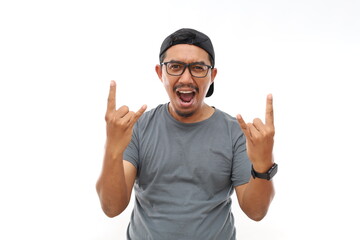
column 201, row 114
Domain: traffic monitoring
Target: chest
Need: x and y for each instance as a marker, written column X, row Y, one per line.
column 200, row 157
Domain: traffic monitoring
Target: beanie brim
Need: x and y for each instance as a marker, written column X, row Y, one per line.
column 210, row 91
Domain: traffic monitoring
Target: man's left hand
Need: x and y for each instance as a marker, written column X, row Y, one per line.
column 260, row 138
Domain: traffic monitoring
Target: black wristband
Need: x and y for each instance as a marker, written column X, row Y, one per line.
column 268, row 175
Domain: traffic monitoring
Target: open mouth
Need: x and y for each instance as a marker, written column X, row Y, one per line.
column 186, row 96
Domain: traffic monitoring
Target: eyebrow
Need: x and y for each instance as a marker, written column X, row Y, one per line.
column 175, row 61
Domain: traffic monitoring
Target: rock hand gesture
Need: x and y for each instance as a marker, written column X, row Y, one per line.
column 117, row 176
column 260, row 138
column 119, row 123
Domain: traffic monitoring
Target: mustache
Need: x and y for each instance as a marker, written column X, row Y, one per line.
column 185, row 86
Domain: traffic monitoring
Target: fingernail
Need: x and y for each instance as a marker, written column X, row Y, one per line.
column 112, row 83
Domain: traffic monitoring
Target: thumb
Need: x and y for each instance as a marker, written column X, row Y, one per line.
column 138, row 114
column 243, row 125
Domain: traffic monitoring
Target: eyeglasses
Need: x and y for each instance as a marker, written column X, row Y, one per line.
column 196, row 69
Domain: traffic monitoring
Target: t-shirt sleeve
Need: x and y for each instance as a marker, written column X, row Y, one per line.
column 131, row 153
column 241, row 169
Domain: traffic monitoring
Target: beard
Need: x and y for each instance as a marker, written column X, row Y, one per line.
column 184, row 114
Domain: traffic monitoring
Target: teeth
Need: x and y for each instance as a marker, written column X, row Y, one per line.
column 185, row 91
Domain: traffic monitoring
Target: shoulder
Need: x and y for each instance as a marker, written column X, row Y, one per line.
column 156, row 113
column 227, row 119
column 228, row 124
column 159, row 110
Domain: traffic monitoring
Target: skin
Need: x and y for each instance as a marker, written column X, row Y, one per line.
column 117, row 177
column 187, row 54
column 255, row 197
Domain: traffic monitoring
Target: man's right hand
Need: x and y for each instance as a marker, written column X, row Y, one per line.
column 119, row 123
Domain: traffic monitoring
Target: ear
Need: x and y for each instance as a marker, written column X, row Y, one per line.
column 158, row 70
column 213, row 74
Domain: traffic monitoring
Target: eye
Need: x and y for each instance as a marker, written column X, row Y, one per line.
column 175, row 66
column 198, row 68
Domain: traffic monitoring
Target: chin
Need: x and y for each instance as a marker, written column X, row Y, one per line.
column 184, row 114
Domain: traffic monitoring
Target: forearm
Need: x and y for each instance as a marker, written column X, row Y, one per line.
column 111, row 186
column 257, row 197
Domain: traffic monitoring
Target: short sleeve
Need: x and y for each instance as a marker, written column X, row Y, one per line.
column 241, row 168
column 131, row 153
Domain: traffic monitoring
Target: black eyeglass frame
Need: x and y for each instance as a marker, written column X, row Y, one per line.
column 187, row 65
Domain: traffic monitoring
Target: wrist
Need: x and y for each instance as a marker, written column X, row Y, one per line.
column 263, row 164
column 268, row 175
column 112, row 152
column 116, row 143
column 263, row 167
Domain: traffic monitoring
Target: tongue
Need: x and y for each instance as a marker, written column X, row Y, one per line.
column 186, row 97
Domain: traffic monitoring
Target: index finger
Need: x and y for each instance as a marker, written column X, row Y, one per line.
column 111, row 105
column 269, row 117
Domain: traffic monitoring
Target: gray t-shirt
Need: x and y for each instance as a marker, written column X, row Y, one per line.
column 186, row 173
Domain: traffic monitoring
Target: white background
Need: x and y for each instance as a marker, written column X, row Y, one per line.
column 56, row 62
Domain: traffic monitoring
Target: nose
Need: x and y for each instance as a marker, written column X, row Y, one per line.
column 186, row 77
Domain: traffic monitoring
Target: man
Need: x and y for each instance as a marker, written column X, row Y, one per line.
column 185, row 158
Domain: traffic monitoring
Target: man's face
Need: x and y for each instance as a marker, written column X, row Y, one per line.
column 186, row 93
